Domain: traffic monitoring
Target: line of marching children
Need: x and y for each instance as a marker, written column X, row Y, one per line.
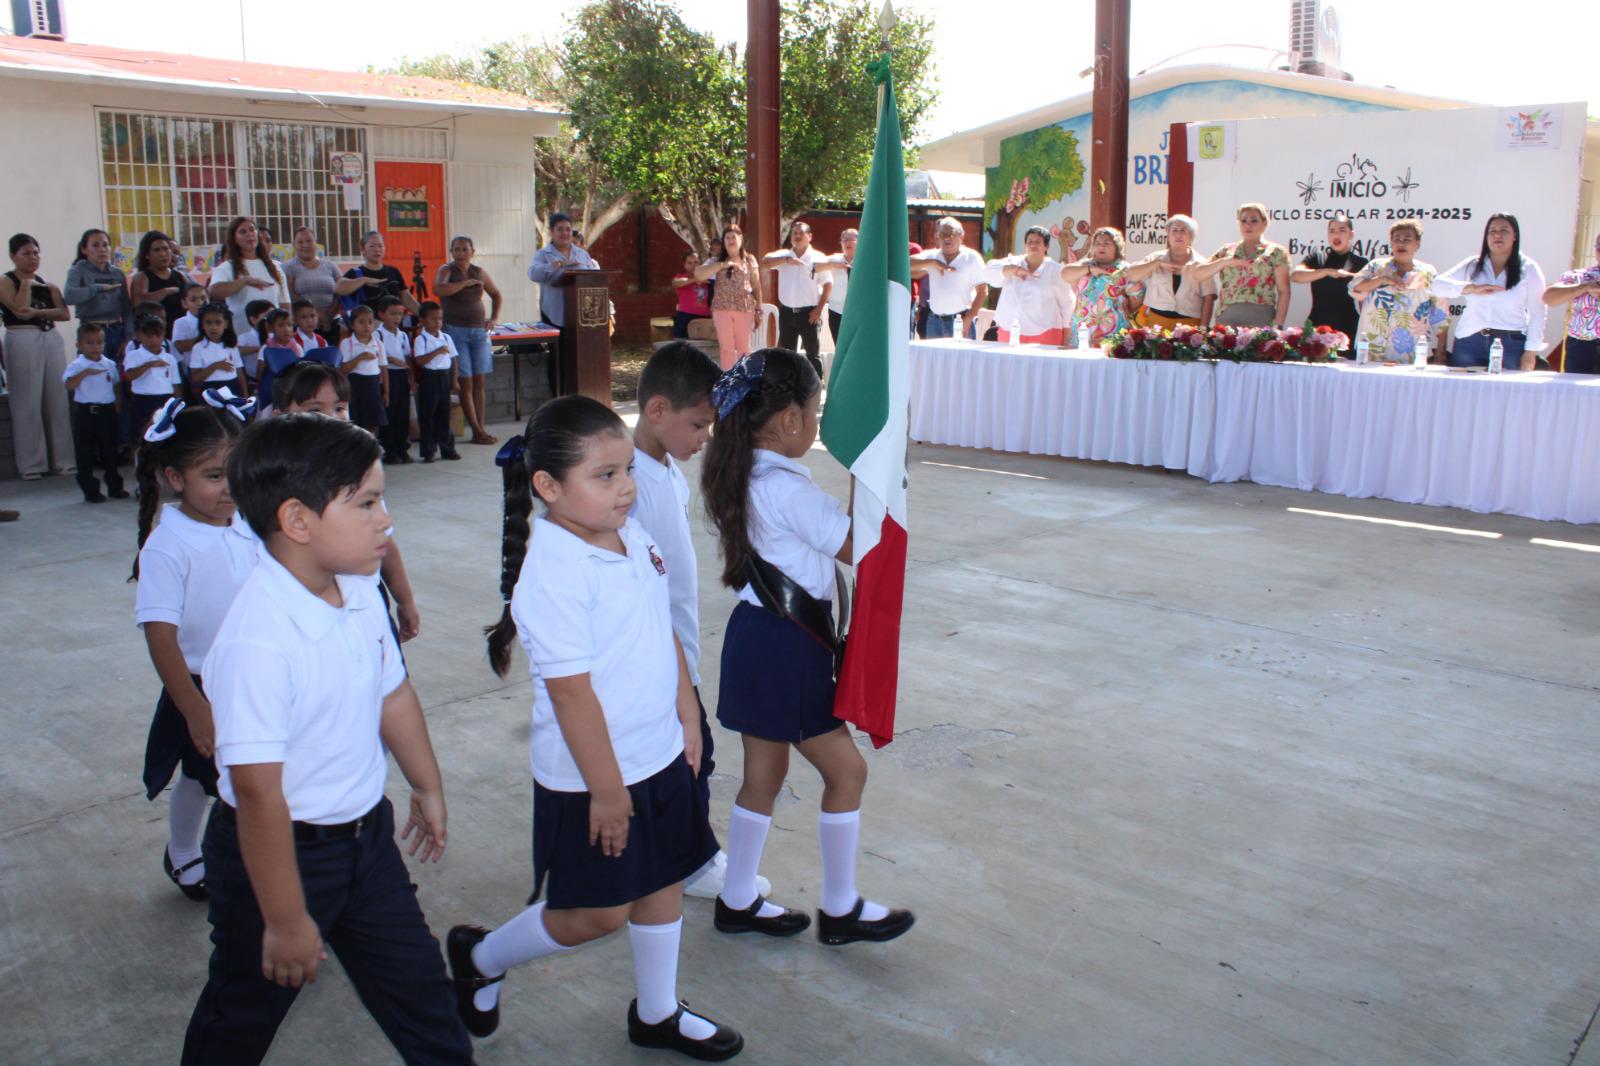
column 260, row 596
column 113, row 400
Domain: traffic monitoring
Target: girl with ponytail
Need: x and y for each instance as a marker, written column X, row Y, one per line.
column 780, row 536
column 618, row 820
column 189, row 570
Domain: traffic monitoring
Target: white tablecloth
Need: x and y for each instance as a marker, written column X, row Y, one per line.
column 1047, row 401
column 1524, row 444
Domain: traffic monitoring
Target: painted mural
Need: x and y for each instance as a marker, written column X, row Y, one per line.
column 1043, row 175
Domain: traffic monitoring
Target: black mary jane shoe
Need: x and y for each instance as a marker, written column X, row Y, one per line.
column 849, row 928
column 458, row 946
column 728, row 920
column 196, row 891
column 723, row 1044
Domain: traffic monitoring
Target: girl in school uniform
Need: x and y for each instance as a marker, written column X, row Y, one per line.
column 189, row 570
column 361, row 357
column 151, row 372
column 618, row 822
column 777, row 680
column 215, row 361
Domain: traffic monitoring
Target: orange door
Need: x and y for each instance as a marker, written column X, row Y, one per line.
column 411, row 219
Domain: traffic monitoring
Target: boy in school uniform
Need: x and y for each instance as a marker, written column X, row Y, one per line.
column 396, row 436
column 675, row 419
column 433, row 357
column 92, row 380
column 308, row 692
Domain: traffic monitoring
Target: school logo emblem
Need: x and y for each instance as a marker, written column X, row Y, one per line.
column 657, row 562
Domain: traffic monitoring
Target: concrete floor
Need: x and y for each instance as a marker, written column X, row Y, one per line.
column 1183, row 776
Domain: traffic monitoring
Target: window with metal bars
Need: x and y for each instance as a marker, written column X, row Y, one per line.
column 189, row 176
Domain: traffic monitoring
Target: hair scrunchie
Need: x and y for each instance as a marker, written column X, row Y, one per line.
column 735, row 384
column 239, row 407
column 164, row 424
column 511, row 451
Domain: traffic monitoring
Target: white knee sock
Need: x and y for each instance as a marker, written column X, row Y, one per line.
column 522, row 939
column 747, row 835
column 186, row 820
column 837, row 834
column 655, row 973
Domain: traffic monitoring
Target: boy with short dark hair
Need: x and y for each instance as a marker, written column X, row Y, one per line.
column 396, row 435
column 675, row 418
column 93, row 383
column 309, row 386
column 433, row 358
column 252, row 340
column 308, row 692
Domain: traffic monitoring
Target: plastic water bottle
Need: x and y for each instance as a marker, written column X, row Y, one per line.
column 1420, row 359
column 1361, row 351
column 1014, row 333
column 1083, row 338
column 1497, row 357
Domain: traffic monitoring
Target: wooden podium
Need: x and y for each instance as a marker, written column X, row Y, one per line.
column 583, row 356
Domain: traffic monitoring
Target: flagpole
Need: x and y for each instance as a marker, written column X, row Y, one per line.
column 886, row 23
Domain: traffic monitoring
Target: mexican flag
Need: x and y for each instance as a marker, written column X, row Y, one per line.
column 864, row 427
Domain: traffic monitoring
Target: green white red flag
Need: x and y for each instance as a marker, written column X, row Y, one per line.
column 864, row 427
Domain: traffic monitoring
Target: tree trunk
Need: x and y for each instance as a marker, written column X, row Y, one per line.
column 1005, row 232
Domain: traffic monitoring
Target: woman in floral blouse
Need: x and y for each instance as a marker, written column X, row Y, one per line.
column 1103, row 295
column 1581, row 289
column 1252, row 275
column 1396, row 295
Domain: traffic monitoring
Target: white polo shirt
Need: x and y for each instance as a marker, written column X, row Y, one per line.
column 662, row 508
column 349, row 348
column 434, row 353
column 208, row 352
column 99, row 387
column 250, row 352
column 951, row 292
column 794, row 525
column 186, row 328
column 293, row 679
column 584, row 610
column 396, row 347
column 797, row 287
column 158, row 382
column 189, row 574
column 841, row 283
column 1040, row 303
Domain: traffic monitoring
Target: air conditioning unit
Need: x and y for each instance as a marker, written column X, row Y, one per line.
column 1314, row 39
column 38, row 18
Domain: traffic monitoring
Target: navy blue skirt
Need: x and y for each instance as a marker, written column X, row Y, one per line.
column 777, row 679
column 669, row 839
column 169, row 746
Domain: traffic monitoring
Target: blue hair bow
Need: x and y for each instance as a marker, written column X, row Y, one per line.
column 511, row 451
column 239, row 406
column 164, row 424
column 734, row 385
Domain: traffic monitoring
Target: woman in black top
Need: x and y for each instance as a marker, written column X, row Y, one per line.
column 1328, row 271
column 30, row 309
column 373, row 279
column 156, row 278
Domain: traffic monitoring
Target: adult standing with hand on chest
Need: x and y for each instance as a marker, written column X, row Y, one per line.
column 1328, row 271
column 1172, row 296
column 1581, row 289
column 838, row 267
column 955, row 282
column 461, row 287
column 802, row 296
column 313, row 278
column 1504, row 292
column 98, row 291
column 372, row 279
column 246, row 273
column 736, row 299
column 1035, row 298
column 1252, row 275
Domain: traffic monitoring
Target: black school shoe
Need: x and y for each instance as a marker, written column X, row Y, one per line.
column 850, row 928
column 121, row 494
column 723, row 1044
column 452, row 456
column 96, row 498
column 196, row 891
column 728, row 920
column 458, row 946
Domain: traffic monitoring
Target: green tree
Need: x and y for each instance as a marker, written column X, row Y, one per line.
column 829, row 114
column 1035, row 169
column 567, row 176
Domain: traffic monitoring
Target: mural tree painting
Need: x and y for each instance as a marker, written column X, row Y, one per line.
column 1035, row 169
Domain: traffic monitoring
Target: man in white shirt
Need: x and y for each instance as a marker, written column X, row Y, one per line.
column 802, row 296
column 955, row 280
column 837, row 268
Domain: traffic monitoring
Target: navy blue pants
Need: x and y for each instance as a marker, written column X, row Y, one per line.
column 396, row 435
column 433, row 412
column 362, row 899
column 94, row 445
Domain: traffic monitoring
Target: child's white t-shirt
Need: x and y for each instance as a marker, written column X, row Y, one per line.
column 186, row 328
column 794, row 525
column 208, row 352
column 99, row 387
column 350, row 347
column 189, row 574
column 158, row 382
column 662, row 507
column 585, row 610
column 396, row 348
column 251, row 339
column 434, row 353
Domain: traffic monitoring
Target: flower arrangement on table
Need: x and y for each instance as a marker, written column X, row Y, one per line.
column 1240, row 345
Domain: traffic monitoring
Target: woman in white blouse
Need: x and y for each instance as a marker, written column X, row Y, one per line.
column 1504, row 292
column 246, row 272
column 1172, row 296
column 1034, row 297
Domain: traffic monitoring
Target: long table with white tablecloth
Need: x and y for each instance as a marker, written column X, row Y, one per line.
column 1518, row 443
